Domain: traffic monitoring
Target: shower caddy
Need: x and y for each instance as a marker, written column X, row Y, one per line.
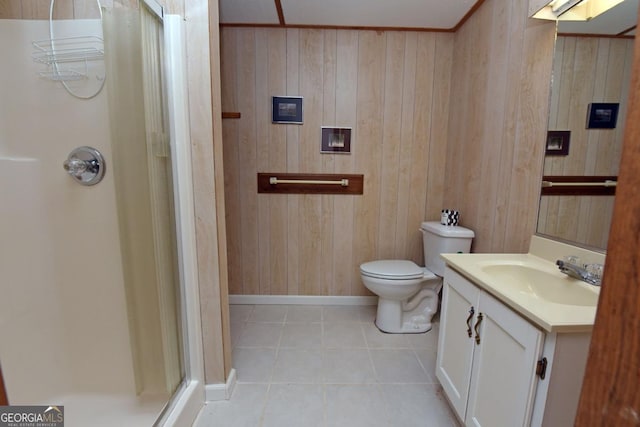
column 68, row 58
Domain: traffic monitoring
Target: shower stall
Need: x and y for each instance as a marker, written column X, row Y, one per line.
column 97, row 271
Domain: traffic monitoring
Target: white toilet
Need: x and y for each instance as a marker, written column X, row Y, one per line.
column 408, row 293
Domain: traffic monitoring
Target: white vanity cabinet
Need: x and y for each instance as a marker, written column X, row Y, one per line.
column 487, row 356
column 534, row 328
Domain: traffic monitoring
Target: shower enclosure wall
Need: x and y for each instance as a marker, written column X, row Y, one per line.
column 91, row 310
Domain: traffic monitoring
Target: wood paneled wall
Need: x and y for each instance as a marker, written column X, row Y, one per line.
column 64, row 9
column 74, row 9
column 205, row 128
column 393, row 89
column 610, row 389
column 586, row 69
column 497, row 123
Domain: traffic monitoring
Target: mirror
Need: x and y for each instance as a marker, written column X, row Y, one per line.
column 589, row 91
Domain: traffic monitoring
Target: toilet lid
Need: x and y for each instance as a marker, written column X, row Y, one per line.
column 392, row 269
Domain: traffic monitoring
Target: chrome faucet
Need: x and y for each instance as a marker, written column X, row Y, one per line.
column 590, row 273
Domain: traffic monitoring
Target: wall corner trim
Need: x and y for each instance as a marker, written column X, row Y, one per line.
column 222, row 391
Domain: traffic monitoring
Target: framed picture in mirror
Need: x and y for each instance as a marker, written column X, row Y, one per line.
column 602, row 115
column 558, row 142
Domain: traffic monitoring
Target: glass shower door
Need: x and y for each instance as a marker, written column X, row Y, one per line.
column 142, row 167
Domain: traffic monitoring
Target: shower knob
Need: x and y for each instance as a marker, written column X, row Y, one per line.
column 85, row 165
column 75, row 167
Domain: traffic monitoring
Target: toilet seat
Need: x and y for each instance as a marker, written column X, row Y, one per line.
column 395, row 270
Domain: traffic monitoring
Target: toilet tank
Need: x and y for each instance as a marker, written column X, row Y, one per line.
column 443, row 239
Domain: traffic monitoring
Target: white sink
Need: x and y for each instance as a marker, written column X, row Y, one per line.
column 554, row 287
column 532, row 285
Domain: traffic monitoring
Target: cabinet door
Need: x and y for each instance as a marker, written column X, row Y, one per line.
column 504, row 379
column 455, row 346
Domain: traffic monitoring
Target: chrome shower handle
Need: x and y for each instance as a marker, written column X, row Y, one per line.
column 75, row 167
column 85, row 165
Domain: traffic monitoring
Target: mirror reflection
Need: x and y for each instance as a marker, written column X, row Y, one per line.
column 589, row 91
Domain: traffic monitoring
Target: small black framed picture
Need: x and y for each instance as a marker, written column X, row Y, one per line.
column 558, row 142
column 287, row 109
column 602, row 115
column 336, row 140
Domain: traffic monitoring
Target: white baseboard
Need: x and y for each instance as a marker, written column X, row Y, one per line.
column 303, row 299
column 214, row 392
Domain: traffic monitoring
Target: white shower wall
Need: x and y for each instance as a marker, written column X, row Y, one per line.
column 63, row 317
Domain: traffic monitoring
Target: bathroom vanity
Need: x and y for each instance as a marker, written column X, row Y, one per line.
column 514, row 336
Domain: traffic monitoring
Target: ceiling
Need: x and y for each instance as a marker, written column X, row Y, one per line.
column 418, row 14
column 401, row 14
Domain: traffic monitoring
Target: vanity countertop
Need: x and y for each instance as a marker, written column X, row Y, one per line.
column 499, row 275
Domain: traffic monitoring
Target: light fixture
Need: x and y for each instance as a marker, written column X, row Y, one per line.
column 571, row 10
column 559, row 7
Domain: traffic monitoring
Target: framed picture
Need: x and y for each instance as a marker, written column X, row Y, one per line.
column 336, row 140
column 287, row 109
column 602, row 115
column 558, row 142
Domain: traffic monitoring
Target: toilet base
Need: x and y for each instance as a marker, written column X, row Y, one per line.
column 392, row 319
column 409, row 327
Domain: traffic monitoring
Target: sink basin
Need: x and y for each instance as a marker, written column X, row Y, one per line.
column 537, row 283
column 533, row 286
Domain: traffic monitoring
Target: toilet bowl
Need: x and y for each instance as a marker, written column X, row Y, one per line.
column 408, row 293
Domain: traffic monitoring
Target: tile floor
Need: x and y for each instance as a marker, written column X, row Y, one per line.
column 300, row 365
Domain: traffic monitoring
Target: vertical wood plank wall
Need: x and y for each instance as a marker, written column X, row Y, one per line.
column 206, row 158
column 497, row 123
column 393, row 89
column 610, row 389
column 64, row 9
column 586, row 69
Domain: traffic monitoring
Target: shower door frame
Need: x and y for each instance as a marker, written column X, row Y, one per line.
column 188, row 400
